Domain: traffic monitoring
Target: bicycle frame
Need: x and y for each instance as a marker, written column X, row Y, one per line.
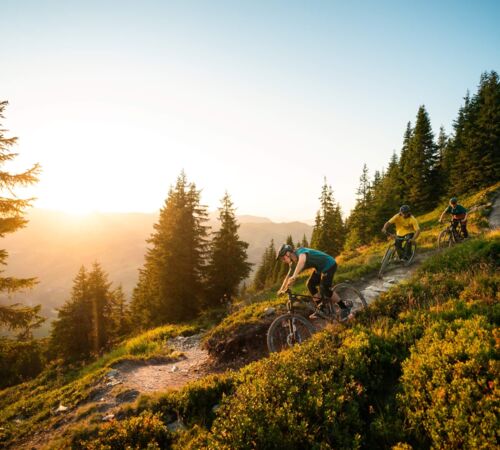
column 308, row 302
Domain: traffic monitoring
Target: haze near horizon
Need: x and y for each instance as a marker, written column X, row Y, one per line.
column 262, row 100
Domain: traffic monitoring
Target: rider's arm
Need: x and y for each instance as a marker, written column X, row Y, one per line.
column 416, row 227
column 298, row 268
column 384, row 228
column 442, row 214
column 284, row 285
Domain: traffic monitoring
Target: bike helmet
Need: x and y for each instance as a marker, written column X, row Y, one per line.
column 282, row 250
column 405, row 209
column 453, row 200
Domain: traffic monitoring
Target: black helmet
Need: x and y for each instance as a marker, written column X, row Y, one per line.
column 405, row 209
column 453, row 200
column 282, row 250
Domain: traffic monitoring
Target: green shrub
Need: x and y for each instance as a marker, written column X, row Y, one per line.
column 450, row 392
column 146, row 431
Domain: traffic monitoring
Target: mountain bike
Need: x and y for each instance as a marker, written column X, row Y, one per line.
column 391, row 254
column 451, row 235
column 293, row 328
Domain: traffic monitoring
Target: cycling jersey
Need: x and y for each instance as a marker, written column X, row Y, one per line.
column 316, row 259
column 458, row 212
column 404, row 225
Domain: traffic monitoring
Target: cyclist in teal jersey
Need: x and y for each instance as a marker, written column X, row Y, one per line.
column 458, row 215
column 324, row 267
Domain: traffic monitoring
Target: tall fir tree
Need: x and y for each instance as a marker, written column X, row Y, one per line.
column 84, row 325
column 477, row 141
column 228, row 264
column 329, row 230
column 405, row 163
column 170, row 286
column 265, row 269
column 421, row 172
column 71, row 333
column 12, row 210
column 360, row 219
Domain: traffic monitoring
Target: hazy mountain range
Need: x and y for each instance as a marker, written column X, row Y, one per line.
column 54, row 245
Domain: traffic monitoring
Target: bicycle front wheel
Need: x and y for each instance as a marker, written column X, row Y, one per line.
column 413, row 250
column 389, row 253
column 288, row 330
column 350, row 296
column 445, row 239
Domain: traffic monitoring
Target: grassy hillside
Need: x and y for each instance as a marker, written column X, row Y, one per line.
column 418, row 369
column 392, row 376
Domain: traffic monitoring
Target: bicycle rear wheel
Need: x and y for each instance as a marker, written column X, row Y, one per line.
column 288, row 330
column 445, row 239
column 389, row 254
column 350, row 296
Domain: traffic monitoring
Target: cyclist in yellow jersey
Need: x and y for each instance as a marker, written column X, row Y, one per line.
column 406, row 228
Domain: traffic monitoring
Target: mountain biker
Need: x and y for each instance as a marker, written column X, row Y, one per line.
column 324, row 267
column 458, row 216
column 407, row 228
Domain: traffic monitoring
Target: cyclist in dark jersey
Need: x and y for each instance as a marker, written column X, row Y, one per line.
column 458, row 215
column 324, row 267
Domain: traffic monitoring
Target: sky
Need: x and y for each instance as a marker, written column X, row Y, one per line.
column 262, row 99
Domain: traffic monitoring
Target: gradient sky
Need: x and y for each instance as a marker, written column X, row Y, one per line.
column 260, row 98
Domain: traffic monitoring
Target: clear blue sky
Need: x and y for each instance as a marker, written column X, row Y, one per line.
column 260, row 98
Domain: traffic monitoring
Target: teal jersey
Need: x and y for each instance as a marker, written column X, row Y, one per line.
column 316, row 259
column 457, row 210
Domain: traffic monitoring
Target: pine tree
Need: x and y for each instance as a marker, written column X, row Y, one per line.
column 329, row 230
column 228, row 265
column 421, row 172
column 120, row 315
column 71, row 333
column 264, row 271
column 84, row 325
column 360, row 220
column 11, row 219
column 477, row 140
column 101, row 297
column 170, row 287
column 405, row 163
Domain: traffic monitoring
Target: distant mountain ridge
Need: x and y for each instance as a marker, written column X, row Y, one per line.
column 54, row 245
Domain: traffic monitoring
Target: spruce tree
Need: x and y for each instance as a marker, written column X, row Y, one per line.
column 477, row 141
column 228, row 265
column 84, row 325
column 329, row 230
column 421, row 172
column 170, row 286
column 360, row 219
column 71, row 333
column 120, row 315
column 11, row 219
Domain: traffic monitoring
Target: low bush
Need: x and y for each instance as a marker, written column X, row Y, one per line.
column 450, row 393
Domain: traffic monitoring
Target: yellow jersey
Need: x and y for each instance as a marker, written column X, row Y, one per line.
column 404, row 225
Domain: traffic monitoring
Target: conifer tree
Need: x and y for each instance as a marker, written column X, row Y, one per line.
column 101, row 297
column 84, row 325
column 477, row 138
column 304, row 242
column 405, row 163
column 360, row 220
column 265, row 270
column 170, row 285
column 421, row 172
column 71, row 333
column 120, row 315
column 11, row 219
column 329, row 230
column 228, row 265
